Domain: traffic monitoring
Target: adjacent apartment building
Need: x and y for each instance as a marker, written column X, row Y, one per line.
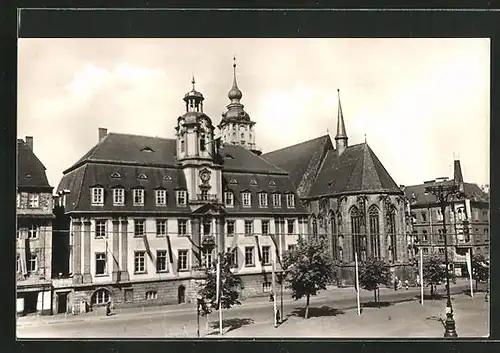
column 467, row 220
column 34, row 233
column 137, row 211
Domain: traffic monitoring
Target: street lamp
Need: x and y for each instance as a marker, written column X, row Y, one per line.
column 444, row 192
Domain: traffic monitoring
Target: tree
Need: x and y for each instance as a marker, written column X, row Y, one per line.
column 480, row 268
column 308, row 269
column 434, row 271
column 372, row 273
column 229, row 284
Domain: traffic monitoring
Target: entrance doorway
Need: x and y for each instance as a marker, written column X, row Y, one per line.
column 62, row 303
column 181, row 294
column 30, row 301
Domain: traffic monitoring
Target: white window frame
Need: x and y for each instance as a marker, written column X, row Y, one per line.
column 18, row 263
column 229, row 198
column 207, row 258
column 161, row 197
column 181, row 197
column 290, row 200
column 97, row 196
column 186, row 258
column 247, row 221
column 161, row 228
column 140, row 262
column 185, row 228
column 137, row 222
column 268, row 248
column 246, row 199
column 253, row 256
column 101, row 256
column 292, row 223
column 33, row 231
column 33, row 200
column 262, row 199
column 101, row 299
column 266, row 287
column 138, row 197
column 161, row 254
column 119, row 197
column 276, row 200
column 99, row 232
column 266, row 222
column 233, row 222
column 32, row 260
column 151, row 295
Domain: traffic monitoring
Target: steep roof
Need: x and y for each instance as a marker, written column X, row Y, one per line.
column 30, row 170
column 418, row 196
column 356, row 170
column 299, row 158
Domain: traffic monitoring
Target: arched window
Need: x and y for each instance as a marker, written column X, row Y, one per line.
column 373, row 215
column 355, row 231
column 391, row 222
column 100, row 296
column 314, row 226
column 202, row 142
column 333, row 230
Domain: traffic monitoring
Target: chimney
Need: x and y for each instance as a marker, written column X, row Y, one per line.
column 457, row 175
column 29, row 142
column 102, row 133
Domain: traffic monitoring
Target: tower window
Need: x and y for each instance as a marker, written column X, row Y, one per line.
column 202, row 143
column 183, row 146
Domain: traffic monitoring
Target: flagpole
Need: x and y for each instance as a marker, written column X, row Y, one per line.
column 421, row 277
column 357, row 282
column 273, row 279
column 220, row 294
column 469, row 265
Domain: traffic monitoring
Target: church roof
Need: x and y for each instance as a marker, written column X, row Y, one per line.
column 356, row 170
column 30, row 170
column 418, row 197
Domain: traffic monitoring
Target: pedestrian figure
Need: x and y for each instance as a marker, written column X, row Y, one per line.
column 406, row 284
column 396, row 284
column 108, row 308
column 271, row 297
column 278, row 316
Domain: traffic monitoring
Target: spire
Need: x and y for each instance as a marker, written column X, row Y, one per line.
column 341, row 138
column 235, row 93
column 193, row 82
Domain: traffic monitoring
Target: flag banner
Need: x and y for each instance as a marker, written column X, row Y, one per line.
column 23, row 257
column 196, row 250
column 421, row 277
column 27, row 253
column 276, row 247
column 115, row 260
column 146, row 245
column 170, row 255
column 468, row 259
column 258, row 249
column 234, row 243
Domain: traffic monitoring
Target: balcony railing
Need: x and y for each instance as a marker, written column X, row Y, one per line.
column 206, row 198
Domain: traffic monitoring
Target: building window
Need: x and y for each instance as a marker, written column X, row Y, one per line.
column 139, row 225
column 18, row 200
column 97, row 196
column 265, row 227
column 333, row 230
column 18, row 263
column 138, row 197
column 33, row 200
column 151, row 295
column 182, row 260
column 247, row 200
column 181, row 198
column 441, row 251
column 32, row 263
column 277, row 200
column 161, row 227
column 100, row 229
column 118, row 197
column 161, row 261
column 266, row 287
column 314, row 226
column 183, row 147
column 248, row 227
column 100, row 264
column 266, row 258
column 425, row 251
column 161, row 197
column 207, row 258
column 392, row 232
column 262, row 199
column 424, row 235
column 182, row 227
column 129, row 295
column 249, row 260
column 233, row 257
column 486, row 235
column 290, row 226
column 355, row 231
column 204, row 195
column 374, row 231
column 424, row 216
column 33, row 231
column 440, row 235
column 291, row 247
column 229, row 198
column 439, row 215
column 140, row 262
column 101, row 297
column 230, row 228
column 290, row 200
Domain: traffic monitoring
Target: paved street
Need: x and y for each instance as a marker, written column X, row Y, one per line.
column 180, row 321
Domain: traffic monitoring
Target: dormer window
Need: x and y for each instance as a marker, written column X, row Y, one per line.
column 167, row 178
column 276, row 200
column 142, row 176
column 246, row 199
column 147, row 149
column 97, row 196
column 229, row 198
column 262, row 199
column 118, row 197
column 181, row 197
column 233, row 182
column 290, row 200
column 161, row 197
column 33, row 200
column 272, row 183
column 138, row 197
column 116, row 175
column 253, row 182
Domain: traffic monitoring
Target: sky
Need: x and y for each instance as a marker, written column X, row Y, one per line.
column 421, row 103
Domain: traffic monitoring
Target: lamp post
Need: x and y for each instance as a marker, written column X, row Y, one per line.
column 444, row 192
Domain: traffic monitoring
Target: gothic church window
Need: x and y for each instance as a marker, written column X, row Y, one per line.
column 355, row 231
column 391, row 220
column 374, row 231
